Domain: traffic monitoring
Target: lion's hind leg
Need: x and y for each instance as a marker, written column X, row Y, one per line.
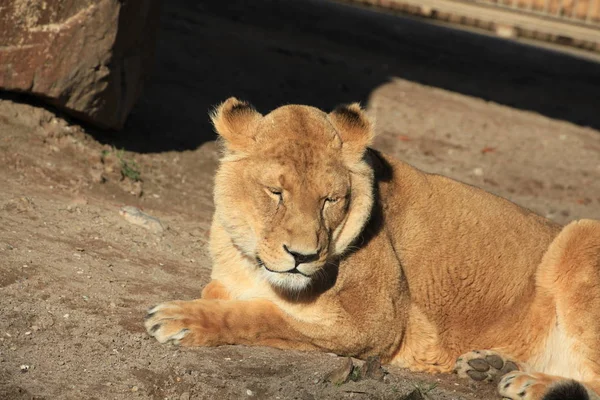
column 569, row 276
column 568, row 359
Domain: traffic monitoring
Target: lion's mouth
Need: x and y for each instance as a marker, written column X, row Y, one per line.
column 294, row 270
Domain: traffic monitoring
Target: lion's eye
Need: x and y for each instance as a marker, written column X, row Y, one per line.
column 275, row 192
column 332, row 199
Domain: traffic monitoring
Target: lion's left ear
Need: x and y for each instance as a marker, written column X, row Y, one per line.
column 354, row 127
column 234, row 120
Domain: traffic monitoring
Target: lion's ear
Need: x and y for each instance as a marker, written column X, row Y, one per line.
column 354, row 127
column 233, row 120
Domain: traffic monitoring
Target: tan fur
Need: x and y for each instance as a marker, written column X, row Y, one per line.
column 390, row 261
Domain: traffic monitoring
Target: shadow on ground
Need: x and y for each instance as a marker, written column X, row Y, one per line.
column 315, row 52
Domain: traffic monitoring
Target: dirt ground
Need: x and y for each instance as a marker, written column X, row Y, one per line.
column 76, row 277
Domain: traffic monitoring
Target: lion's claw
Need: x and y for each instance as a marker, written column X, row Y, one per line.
column 166, row 323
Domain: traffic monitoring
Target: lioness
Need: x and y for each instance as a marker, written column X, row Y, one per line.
column 320, row 243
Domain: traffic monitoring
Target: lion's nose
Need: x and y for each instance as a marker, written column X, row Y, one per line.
column 301, row 258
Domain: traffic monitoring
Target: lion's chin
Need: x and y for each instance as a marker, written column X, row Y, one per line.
column 287, row 282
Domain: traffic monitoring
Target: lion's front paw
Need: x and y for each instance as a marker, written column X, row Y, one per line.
column 483, row 365
column 170, row 322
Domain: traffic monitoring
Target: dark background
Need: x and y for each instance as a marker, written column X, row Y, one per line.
column 322, row 53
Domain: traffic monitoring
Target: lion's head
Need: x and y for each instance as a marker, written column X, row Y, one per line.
column 293, row 189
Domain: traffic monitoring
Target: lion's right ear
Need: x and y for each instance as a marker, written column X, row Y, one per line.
column 234, row 121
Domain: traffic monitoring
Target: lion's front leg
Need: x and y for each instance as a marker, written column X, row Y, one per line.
column 218, row 322
column 215, row 290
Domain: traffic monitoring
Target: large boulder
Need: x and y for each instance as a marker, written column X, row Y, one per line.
column 88, row 57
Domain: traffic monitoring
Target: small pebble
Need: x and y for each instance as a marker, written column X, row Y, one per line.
column 137, row 217
column 184, row 396
column 24, row 368
column 249, row 392
column 97, row 176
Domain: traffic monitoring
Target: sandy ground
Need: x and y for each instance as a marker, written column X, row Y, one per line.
column 76, row 277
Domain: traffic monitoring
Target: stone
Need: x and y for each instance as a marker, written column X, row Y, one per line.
column 137, row 217
column 372, row 369
column 86, row 57
column 341, row 374
column 415, row 395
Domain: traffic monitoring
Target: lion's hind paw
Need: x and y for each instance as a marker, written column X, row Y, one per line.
column 484, row 365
